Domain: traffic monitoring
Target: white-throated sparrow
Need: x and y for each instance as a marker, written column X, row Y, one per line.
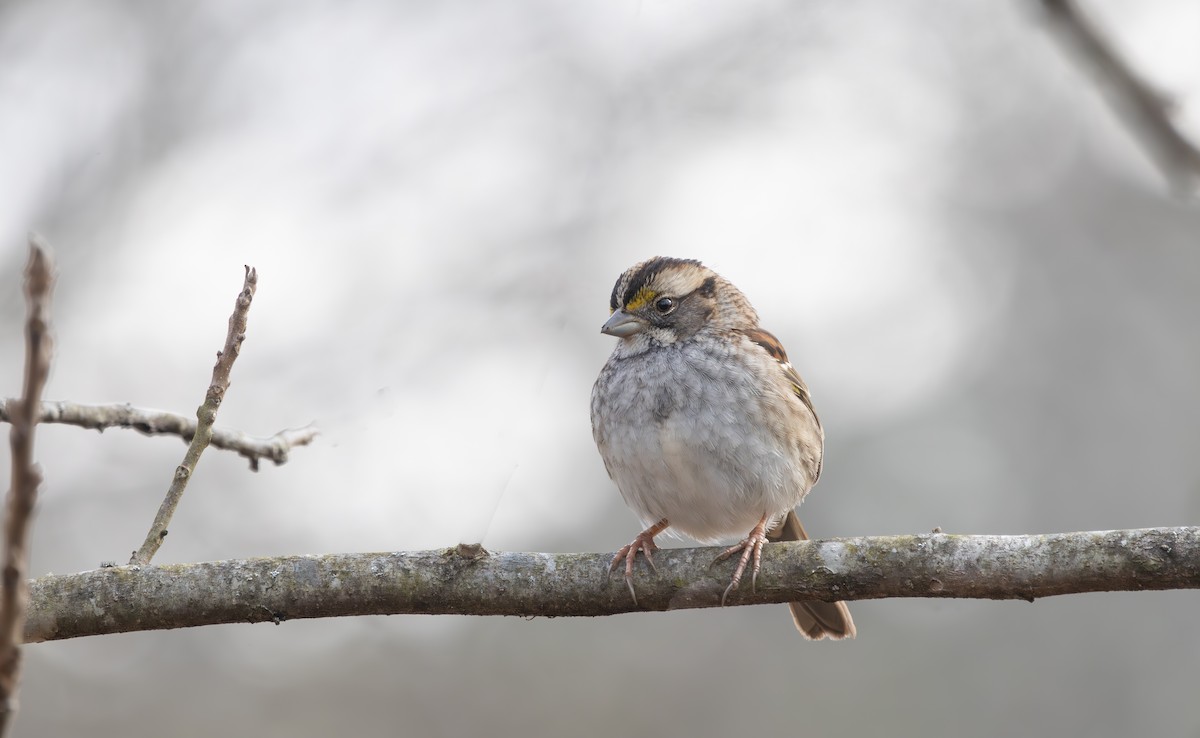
column 704, row 424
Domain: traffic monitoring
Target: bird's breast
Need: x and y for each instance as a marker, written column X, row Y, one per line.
column 692, row 437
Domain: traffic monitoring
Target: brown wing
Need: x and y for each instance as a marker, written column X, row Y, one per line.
column 813, row 618
column 772, row 346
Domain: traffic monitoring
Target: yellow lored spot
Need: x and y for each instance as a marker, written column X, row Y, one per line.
column 641, row 299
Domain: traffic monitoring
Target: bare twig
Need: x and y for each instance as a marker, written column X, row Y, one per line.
column 26, row 476
column 467, row 580
column 162, row 423
column 1146, row 111
column 206, row 415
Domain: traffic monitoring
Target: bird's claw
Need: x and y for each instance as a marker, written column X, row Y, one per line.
column 644, row 542
column 751, row 549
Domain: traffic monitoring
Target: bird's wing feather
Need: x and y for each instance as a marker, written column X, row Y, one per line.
column 769, row 343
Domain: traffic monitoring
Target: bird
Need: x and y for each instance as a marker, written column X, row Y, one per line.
column 705, row 425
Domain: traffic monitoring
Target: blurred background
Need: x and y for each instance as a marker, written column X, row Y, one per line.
column 985, row 282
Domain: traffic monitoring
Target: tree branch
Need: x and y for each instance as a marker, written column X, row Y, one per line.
column 471, row 581
column 1146, row 112
column 206, row 415
column 26, row 476
column 162, row 423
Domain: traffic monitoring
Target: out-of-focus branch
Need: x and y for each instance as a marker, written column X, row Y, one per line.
column 467, row 580
column 26, row 476
column 206, row 415
column 1146, row 112
column 162, row 423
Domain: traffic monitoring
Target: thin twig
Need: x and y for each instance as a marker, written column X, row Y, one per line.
column 468, row 580
column 26, row 476
column 162, row 423
column 1146, row 111
column 206, row 415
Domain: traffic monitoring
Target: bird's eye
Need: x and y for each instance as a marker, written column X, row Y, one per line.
column 664, row 305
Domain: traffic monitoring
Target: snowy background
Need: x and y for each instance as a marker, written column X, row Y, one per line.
column 981, row 277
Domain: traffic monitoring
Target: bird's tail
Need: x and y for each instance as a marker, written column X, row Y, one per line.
column 814, row 619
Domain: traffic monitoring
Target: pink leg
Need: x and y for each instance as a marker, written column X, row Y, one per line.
column 751, row 548
column 644, row 543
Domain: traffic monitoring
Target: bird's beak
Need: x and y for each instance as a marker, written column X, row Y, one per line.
column 622, row 325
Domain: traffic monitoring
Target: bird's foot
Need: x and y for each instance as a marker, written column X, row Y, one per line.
column 751, row 550
column 644, row 542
